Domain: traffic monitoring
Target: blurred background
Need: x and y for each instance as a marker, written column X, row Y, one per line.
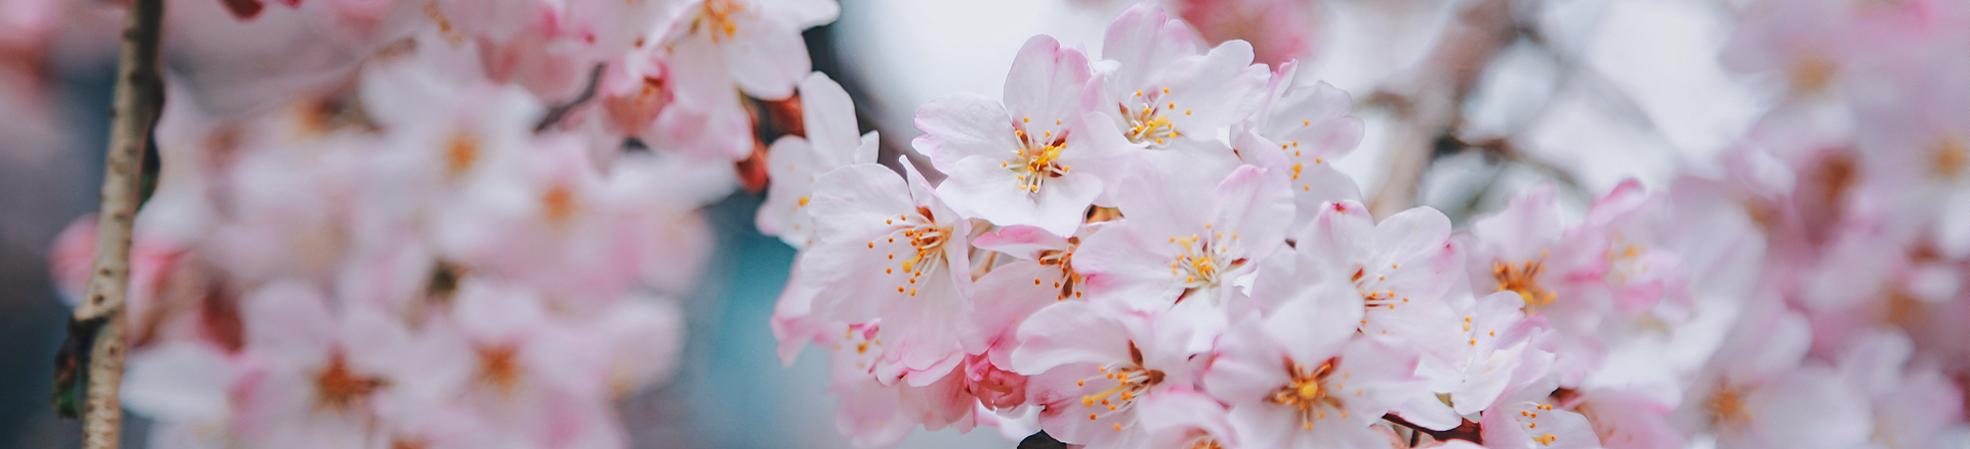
column 1494, row 95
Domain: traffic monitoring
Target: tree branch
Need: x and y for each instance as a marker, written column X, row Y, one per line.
column 1434, row 106
column 1467, row 430
column 139, row 97
column 560, row 111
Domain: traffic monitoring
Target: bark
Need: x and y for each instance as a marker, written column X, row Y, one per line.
column 138, row 98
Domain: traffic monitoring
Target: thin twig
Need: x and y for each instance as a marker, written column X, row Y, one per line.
column 561, row 111
column 1448, row 75
column 139, row 97
column 1466, row 430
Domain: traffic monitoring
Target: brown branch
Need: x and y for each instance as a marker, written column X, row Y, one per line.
column 1435, row 101
column 558, row 112
column 139, row 97
column 1467, row 430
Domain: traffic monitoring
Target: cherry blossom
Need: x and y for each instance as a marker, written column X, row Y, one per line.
column 1299, row 379
column 1166, row 91
column 384, row 223
column 1182, row 241
column 796, row 163
column 903, row 256
column 452, row 223
column 1091, row 366
column 1055, row 167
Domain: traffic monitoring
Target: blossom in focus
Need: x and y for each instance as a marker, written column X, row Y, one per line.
column 797, row 163
column 1055, row 168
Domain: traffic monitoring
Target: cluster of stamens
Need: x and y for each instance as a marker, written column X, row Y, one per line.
column 1069, row 282
column 1150, row 121
column 1307, row 393
column 1038, row 156
column 1524, row 280
column 1375, row 295
column 499, row 367
column 338, row 387
column 460, row 155
column 1293, row 147
column 1131, row 381
column 1726, row 405
column 720, row 18
column 1201, row 262
column 1626, row 262
column 1206, row 442
column 1530, row 417
column 1949, row 157
column 861, row 338
column 557, row 204
column 926, row 237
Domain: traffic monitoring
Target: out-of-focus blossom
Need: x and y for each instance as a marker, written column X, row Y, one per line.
column 418, row 230
column 1279, row 30
column 1225, row 286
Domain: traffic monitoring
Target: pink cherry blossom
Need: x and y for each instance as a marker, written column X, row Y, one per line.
column 1299, row 378
column 1280, row 31
column 1529, row 424
column 1168, row 91
column 902, row 257
column 1181, row 419
column 1184, row 242
column 756, row 41
column 1310, row 125
column 1055, row 169
column 797, row 163
column 1092, row 363
column 1403, row 268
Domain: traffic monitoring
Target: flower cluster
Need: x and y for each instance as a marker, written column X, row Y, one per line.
column 1152, row 248
column 440, row 223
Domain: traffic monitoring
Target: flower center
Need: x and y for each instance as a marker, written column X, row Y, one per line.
column 1812, row 74
column 1038, row 157
column 1625, row 262
column 338, row 387
column 719, row 18
column 461, row 153
column 1948, row 158
column 1202, row 262
column 925, row 237
column 1305, row 394
column 1069, row 283
column 630, row 113
column 1374, row 293
column 1524, row 280
column 1131, row 381
column 1149, row 120
column 499, row 366
column 1530, row 418
column 557, row 204
column 1726, row 405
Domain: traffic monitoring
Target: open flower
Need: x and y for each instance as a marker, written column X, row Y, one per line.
column 796, row 163
column 1528, row 420
column 1300, row 378
column 756, row 42
column 1403, row 269
column 1092, row 363
column 1181, row 241
column 1028, row 159
column 1298, row 132
column 891, row 251
column 1167, row 91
